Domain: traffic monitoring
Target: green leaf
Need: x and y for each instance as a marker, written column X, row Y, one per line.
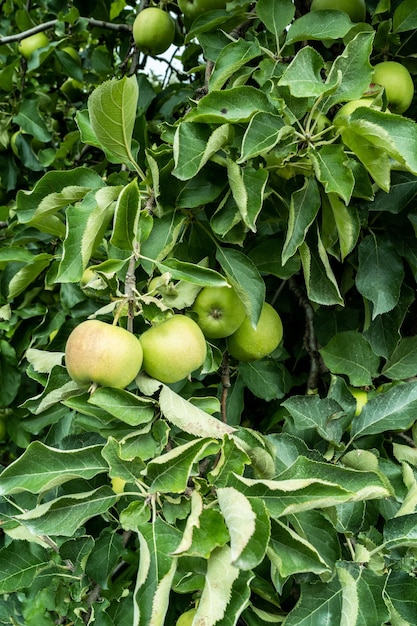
column 276, row 15
column 395, row 134
column 235, row 55
column 267, row 256
column 112, row 108
column 350, row 354
column 320, row 280
column 309, row 484
column 264, row 131
column 86, row 224
column 190, row 418
column 204, row 530
column 400, row 596
column 170, row 471
column 30, row 120
column 405, row 17
column 362, row 591
column 290, row 553
column 28, row 274
column 10, row 375
column 304, row 206
column 156, row 570
column 266, row 379
column 68, row 187
column 391, row 410
column 401, row 531
column 41, row 468
column 63, row 516
column 319, row 25
column 126, row 216
column 249, row 527
column 303, row 75
column 247, row 186
column 402, row 362
column 20, row 563
column 217, row 591
column 245, row 278
column 191, row 272
column 320, row 414
column 380, row 273
column 354, row 68
column 104, row 557
column 194, row 145
column 332, row 170
column 126, row 406
column 347, row 223
column 234, row 105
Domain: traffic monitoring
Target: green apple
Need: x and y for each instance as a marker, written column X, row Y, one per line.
column 356, row 9
column 102, row 354
column 186, row 619
column 194, row 8
column 347, row 109
column 361, row 397
column 173, row 349
column 251, row 344
column 397, row 83
column 28, row 45
column 153, row 31
column 219, row 311
column 72, row 52
column 73, row 89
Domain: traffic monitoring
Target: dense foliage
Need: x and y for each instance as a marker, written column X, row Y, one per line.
column 281, row 490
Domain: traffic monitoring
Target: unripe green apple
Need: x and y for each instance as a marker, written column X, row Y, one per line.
column 356, row 9
column 194, row 8
column 348, row 108
column 153, row 30
column 102, row 354
column 186, row 619
column 397, row 83
column 220, row 311
column 28, row 45
column 252, row 344
column 173, row 349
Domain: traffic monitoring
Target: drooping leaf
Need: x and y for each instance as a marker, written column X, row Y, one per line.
column 304, row 206
column 245, row 279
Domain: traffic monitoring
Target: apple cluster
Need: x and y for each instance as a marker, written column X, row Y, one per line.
column 98, row 353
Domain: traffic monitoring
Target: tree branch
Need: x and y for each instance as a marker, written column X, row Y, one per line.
column 310, row 340
column 52, row 23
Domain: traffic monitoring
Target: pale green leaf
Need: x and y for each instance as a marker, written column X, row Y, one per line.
column 112, row 109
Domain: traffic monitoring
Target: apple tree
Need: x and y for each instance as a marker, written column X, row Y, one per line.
column 264, row 157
